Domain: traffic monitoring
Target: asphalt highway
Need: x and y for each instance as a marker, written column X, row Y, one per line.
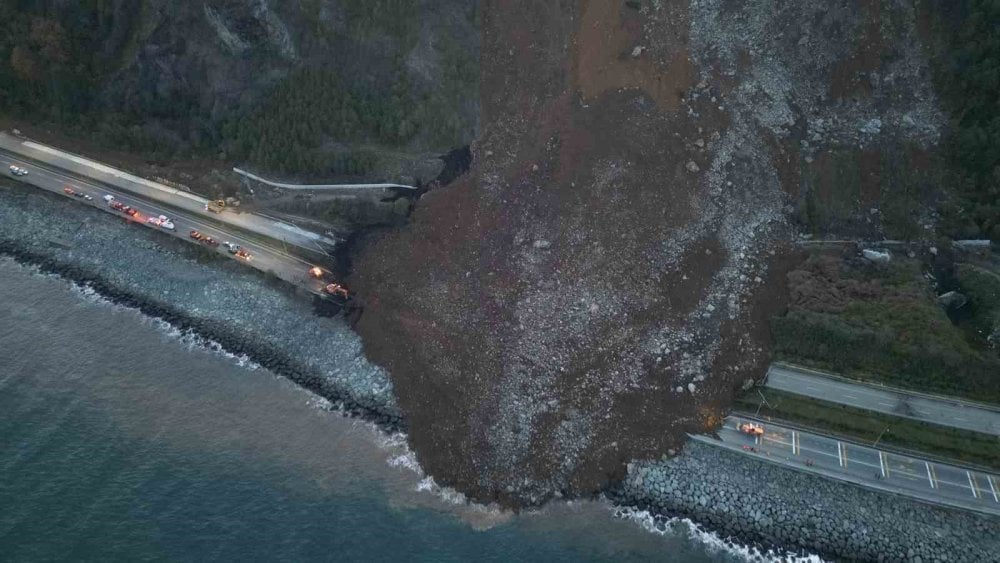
column 194, row 205
column 926, row 480
column 935, row 410
column 264, row 257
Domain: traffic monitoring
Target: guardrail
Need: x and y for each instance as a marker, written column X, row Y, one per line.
column 252, row 176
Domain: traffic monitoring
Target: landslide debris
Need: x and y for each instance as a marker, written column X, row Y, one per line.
column 599, row 283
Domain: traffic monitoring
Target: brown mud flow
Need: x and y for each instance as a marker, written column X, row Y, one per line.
column 599, row 283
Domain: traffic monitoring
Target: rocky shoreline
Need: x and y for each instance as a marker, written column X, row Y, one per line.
column 212, row 298
column 791, row 511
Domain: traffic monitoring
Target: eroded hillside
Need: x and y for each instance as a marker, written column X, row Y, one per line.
column 601, row 281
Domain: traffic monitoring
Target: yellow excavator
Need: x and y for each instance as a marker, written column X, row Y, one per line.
column 215, row 206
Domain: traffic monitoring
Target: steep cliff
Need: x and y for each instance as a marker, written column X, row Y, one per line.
column 322, row 87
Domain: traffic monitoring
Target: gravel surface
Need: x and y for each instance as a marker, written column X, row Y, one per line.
column 214, row 297
column 778, row 507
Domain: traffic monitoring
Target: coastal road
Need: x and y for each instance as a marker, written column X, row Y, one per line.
column 925, row 480
column 193, row 205
column 264, row 257
column 943, row 411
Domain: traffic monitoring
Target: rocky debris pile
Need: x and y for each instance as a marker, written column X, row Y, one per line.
column 822, row 65
column 599, row 283
column 217, row 299
column 782, row 508
column 837, row 95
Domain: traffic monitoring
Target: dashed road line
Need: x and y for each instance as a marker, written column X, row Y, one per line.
column 972, row 484
column 930, row 477
column 993, row 488
column 840, row 453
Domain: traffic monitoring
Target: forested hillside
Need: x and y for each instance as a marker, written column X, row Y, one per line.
column 970, row 80
column 318, row 87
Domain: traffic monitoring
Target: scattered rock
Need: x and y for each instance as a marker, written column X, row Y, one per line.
column 692, row 166
column 952, row 300
column 882, row 257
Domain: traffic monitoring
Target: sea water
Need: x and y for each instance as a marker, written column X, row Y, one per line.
column 123, row 439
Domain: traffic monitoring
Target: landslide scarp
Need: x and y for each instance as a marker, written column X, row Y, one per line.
column 600, row 283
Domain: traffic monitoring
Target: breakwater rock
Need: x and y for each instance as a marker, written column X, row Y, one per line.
column 788, row 510
column 197, row 292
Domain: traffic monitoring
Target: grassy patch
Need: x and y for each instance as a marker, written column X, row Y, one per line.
column 867, row 427
column 982, row 287
column 881, row 323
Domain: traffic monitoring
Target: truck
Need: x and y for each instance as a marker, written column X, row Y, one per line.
column 162, row 221
column 215, row 206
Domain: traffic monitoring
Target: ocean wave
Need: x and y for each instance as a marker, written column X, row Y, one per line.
column 712, row 540
column 191, row 339
column 400, row 455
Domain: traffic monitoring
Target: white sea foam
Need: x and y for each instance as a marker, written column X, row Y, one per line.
column 189, row 338
column 712, row 540
column 321, row 403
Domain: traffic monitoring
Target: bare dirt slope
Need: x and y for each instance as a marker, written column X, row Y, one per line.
column 600, row 283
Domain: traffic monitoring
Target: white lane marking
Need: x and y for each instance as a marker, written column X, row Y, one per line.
column 840, row 453
column 929, row 478
column 812, row 388
column 885, row 404
column 972, row 485
column 138, row 200
column 823, row 453
column 901, row 471
column 163, row 209
column 850, row 396
column 135, row 200
column 993, row 488
column 794, row 449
